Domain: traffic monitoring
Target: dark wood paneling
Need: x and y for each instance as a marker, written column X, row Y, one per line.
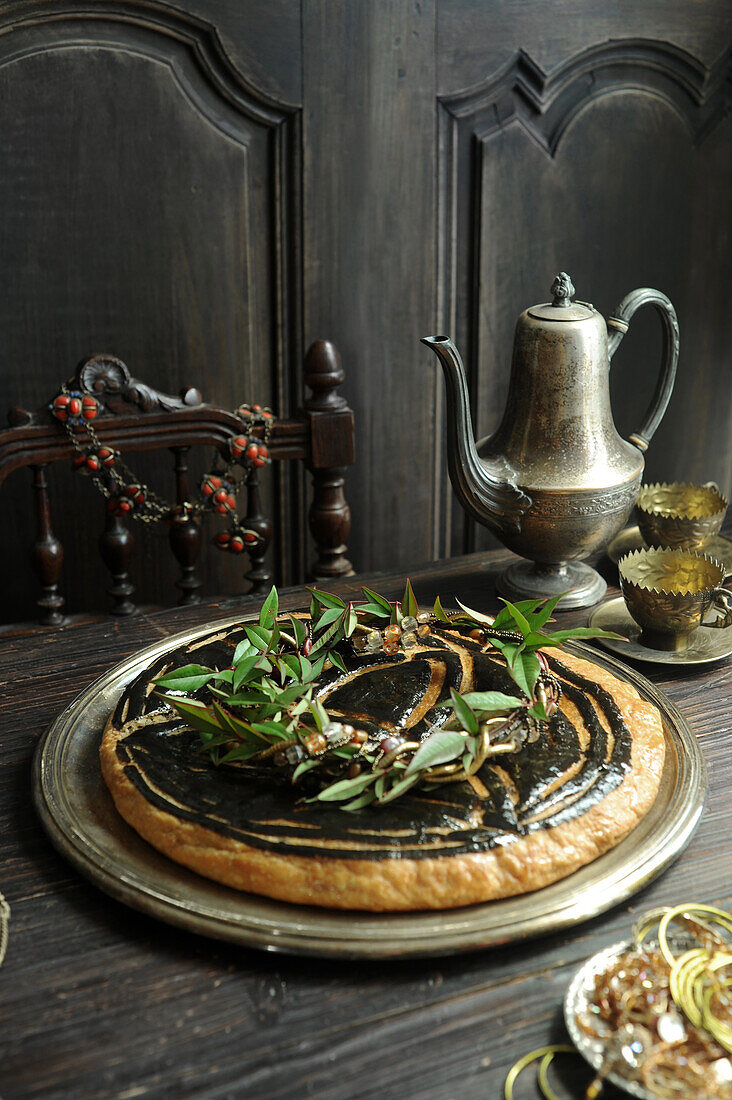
column 615, row 167
column 369, row 267
column 150, row 207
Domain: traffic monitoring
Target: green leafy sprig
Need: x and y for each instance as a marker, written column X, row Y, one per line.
column 264, row 710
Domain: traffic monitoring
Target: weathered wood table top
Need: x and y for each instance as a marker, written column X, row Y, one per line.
column 98, row 1000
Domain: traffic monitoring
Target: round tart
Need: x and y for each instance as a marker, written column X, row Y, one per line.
column 526, row 820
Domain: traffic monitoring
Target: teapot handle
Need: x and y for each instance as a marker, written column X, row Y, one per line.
column 617, row 325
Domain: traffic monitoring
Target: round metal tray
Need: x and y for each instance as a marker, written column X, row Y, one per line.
column 81, row 820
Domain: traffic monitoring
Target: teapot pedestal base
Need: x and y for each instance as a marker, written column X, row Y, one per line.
column 527, row 580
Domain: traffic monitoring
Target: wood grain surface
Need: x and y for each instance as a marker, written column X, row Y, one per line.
column 97, row 1000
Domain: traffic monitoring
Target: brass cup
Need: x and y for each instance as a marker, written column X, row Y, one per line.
column 668, row 593
column 680, row 516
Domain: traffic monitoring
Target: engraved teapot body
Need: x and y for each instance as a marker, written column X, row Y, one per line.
column 556, row 481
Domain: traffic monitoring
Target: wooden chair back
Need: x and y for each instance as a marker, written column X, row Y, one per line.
column 134, row 417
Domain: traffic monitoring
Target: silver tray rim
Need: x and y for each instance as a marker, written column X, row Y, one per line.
column 135, row 873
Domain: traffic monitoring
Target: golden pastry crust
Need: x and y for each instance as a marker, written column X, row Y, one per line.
column 443, row 882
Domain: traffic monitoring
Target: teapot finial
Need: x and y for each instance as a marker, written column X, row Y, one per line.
column 562, row 291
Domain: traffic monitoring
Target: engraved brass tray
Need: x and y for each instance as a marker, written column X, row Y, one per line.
column 79, row 815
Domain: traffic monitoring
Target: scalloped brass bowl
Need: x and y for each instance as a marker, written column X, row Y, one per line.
column 680, row 516
column 668, row 593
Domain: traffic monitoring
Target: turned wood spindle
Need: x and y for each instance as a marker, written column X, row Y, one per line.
column 48, row 554
column 115, row 546
column 331, row 451
column 185, row 538
column 259, row 575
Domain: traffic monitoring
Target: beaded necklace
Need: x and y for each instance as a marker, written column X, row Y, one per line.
column 127, row 496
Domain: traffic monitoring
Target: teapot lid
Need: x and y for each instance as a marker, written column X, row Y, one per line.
column 562, row 308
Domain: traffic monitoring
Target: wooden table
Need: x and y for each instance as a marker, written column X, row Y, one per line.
column 97, row 1000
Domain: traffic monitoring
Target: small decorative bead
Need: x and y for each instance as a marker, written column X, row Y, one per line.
column 280, row 759
column 392, row 633
column 409, row 639
column 354, row 770
column 294, row 754
column 423, row 630
column 409, row 623
column 359, row 643
column 89, row 407
column 359, row 737
column 391, row 647
column 424, row 617
column 390, row 743
column 315, row 744
column 374, row 641
column 236, row 545
column 477, row 635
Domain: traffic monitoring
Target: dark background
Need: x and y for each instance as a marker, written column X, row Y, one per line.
column 204, row 188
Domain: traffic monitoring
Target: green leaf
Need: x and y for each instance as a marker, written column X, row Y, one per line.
column 351, row 622
column 242, row 670
column 278, row 730
column 241, row 751
column 518, row 616
column 305, row 668
column 346, row 788
column 463, row 713
column 186, row 678
column 525, row 672
column 478, row 616
column 409, row 601
column 398, row 788
column 364, row 799
column 304, row 766
column 372, row 609
column 544, row 615
column 327, row 599
column 329, row 616
column 439, row 748
column 335, row 659
column 196, row 714
column 298, row 630
column 259, row 636
column 270, row 607
column 439, row 612
column 374, row 597
column 319, row 713
column 244, row 649
column 494, row 701
column 329, row 637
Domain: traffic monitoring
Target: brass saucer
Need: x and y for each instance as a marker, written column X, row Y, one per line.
column 631, row 539
column 705, row 645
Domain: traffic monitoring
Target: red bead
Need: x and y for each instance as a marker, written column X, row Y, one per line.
column 89, row 407
column 263, row 452
column 249, row 536
column 124, row 506
column 252, row 451
column 267, row 413
column 260, row 462
column 79, row 461
column 106, row 457
column 222, row 539
column 256, row 408
column 92, row 463
column 220, row 496
column 236, row 545
column 74, row 406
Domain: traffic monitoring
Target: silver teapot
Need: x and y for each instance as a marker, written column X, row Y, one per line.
column 556, row 482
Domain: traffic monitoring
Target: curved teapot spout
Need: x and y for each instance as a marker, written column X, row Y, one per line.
column 486, row 489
